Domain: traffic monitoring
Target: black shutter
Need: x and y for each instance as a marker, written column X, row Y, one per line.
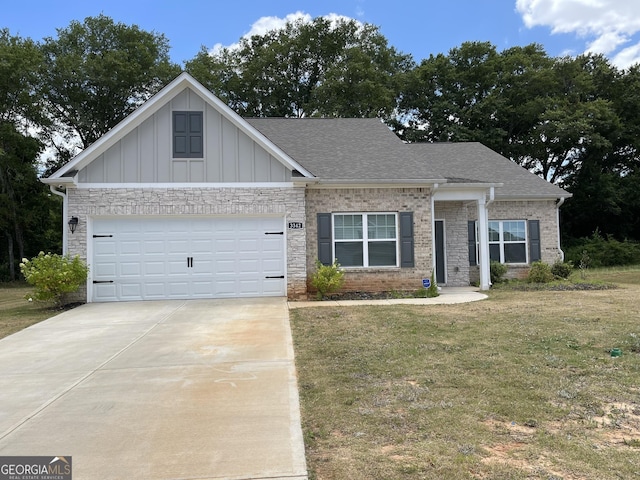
column 471, row 229
column 534, row 241
column 187, row 135
column 180, row 134
column 406, row 240
column 324, row 239
column 195, row 135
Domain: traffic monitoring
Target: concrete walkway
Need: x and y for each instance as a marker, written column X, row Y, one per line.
column 447, row 295
column 199, row 389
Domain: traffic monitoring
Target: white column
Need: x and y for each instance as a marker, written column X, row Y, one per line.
column 483, row 250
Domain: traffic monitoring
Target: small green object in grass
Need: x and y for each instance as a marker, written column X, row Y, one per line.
column 616, row 352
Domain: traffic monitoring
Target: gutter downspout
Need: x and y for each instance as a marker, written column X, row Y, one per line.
column 64, row 217
column 559, row 203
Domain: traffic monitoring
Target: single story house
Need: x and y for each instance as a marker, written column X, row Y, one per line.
column 186, row 199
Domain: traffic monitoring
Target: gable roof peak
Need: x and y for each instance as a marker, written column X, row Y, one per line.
column 153, row 105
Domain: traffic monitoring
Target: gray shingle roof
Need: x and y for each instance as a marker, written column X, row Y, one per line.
column 343, row 149
column 474, row 162
column 364, row 149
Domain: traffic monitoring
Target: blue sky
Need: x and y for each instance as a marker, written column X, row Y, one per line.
column 418, row 27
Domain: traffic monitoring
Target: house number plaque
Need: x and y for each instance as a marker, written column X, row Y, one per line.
column 295, row 225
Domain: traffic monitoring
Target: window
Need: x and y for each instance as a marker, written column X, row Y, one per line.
column 508, row 241
column 365, row 239
column 187, row 135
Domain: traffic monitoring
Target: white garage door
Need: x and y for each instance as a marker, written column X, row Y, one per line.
column 146, row 258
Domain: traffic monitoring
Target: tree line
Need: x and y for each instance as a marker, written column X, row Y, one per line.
column 574, row 121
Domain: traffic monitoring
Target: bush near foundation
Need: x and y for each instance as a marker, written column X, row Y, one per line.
column 562, row 269
column 327, row 278
column 53, row 276
column 540, row 272
column 497, row 271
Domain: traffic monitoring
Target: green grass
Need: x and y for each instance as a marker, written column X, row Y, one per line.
column 518, row 386
column 16, row 312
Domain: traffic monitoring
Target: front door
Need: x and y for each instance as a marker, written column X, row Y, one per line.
column 440, row 253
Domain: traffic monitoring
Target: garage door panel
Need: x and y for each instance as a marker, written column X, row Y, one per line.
column 249, row 266
column 130, row 290
column 104, row 247
column 249, row 245
column 154, row 246
column 130, row 269
column 203, row 289
column 224, row 267
column 105, row 292
column 154, row 268
column 177, row 267
column 169, row 257
column 155, row 290
column 178, row 289
column 249, row 287
column 203, row 246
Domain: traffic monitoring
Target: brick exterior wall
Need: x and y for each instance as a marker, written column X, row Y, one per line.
column 455, row 219
column 287, row 202
column 357, row 200
column 298, row 205
column 543, row 210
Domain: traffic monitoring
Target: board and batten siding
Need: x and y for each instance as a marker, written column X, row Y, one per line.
column 145, row 154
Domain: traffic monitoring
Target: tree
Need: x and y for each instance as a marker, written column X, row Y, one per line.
column 21, row 196
column 451, row 97
column 19, row 64
column 322, row 68
column 96, row 73
column 26, row 218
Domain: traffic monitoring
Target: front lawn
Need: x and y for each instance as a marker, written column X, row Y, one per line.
column 519, row 386
column 16, row 312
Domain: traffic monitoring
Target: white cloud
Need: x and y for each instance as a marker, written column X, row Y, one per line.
column 266, row 24
column 606, row 25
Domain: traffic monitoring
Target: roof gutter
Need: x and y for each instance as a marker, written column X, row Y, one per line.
column 379, row 183
column 59, row 182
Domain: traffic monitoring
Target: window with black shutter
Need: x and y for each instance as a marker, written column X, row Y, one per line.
column 188, row 135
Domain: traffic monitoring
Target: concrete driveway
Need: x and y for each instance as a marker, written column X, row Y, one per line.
column 198, row 389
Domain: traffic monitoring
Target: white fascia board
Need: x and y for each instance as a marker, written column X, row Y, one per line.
column 174, row 186
column 524, row 198
column 151, row 106
column 461, row 194
column 62, row 181
column 412, row 183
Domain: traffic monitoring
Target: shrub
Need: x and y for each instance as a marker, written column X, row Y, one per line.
column 497, row 271
column 327, row 278
column 603, row 252
column 54, row 276
column 540, row 272
column 561, row 269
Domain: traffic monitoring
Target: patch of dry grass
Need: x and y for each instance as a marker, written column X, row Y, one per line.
column 16, row 312
column 519, row 386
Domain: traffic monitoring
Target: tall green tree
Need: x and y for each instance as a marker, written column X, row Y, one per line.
column 20, row 60
column 573, row 121
column 94, row 74
column 323, row 68
column 26, row 211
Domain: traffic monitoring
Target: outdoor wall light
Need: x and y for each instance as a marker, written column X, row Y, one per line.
column 73, row 224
